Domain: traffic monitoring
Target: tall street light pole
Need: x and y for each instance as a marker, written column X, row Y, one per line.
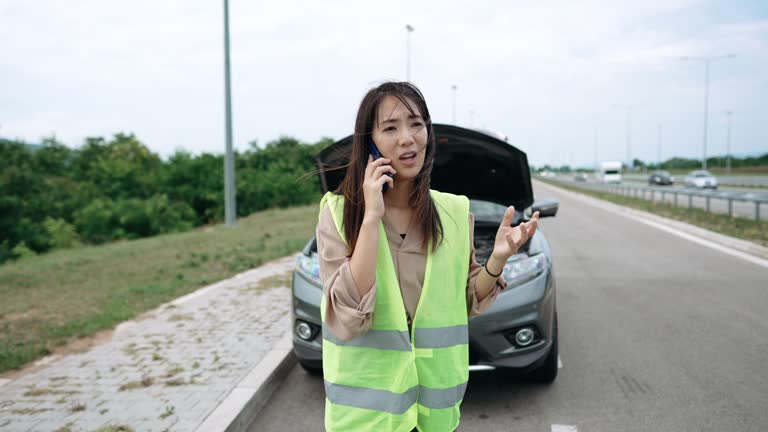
column 628, row 132
column 706, row 61
column 409, row 29
column 595, row 144
column 229, row 159
column 658, row 146
column 728, row 143
column 453, row 114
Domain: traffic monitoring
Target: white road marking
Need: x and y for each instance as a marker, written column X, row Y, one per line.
column 564, row 428
column 559, row 363
column 632, row 214
column 703, row 242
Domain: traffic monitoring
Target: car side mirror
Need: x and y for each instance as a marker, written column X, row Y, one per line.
column 545, row 207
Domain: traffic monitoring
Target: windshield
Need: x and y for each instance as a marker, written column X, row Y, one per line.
column 485, row 210
column 702, row 174
column 612, row 172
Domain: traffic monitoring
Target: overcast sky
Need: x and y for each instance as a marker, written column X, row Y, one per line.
column 546, row 74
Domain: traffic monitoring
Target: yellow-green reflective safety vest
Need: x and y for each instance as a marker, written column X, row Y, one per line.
column 390, row 380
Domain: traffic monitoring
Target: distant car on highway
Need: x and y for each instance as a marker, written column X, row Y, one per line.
column 661, row 178
column 580, row 177
column 700, row 179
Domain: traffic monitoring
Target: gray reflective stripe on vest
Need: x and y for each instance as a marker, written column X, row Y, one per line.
column 441, row 337
column 395, row 403
column 372, row 399
column 441, row 398
column 395, row 340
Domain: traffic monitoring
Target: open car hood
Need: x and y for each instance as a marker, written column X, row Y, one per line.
column 467, row 162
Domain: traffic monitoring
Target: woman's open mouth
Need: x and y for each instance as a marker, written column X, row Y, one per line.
column 408, row 158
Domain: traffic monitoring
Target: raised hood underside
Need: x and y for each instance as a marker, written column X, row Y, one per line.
column 467, row 162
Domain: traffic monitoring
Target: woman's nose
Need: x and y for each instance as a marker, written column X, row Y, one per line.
column 406, row 138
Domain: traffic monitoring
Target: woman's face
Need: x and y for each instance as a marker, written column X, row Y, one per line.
column 401, row 136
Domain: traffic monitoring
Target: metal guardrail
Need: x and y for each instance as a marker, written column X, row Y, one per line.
column 757, row 198
column 748, row 181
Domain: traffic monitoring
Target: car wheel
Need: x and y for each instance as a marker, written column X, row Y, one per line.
column 547, row 372
column 311, row 368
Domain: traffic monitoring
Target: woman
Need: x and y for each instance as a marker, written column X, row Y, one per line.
column 400, row 277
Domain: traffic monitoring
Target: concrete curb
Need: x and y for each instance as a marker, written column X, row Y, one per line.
column 744, row 246
column 238, row 410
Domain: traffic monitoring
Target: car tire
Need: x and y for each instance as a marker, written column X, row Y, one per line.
column 311, row 368
column 547, row 372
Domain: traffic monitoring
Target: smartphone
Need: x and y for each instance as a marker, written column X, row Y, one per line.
column 376, row 154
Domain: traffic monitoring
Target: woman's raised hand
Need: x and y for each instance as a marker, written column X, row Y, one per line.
column 509, row 239
column 375, row 178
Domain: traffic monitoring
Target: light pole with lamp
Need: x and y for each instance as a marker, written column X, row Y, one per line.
column 453, row 114
column 409, row 29
column 706, row 61
column 728, row 114
column 658, row 146
column 628, row 132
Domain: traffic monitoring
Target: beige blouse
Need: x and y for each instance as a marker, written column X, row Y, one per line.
column 346, row 314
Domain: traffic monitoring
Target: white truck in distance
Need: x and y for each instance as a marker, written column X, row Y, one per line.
column 609, row 172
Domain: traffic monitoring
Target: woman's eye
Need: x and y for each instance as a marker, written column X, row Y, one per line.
column 417, row 124
column 390, row 128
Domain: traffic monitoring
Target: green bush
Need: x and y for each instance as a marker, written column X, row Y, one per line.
column 62, row 234
column 104, row 219
column 97, row 222
column 53, row 196
column 21, row 251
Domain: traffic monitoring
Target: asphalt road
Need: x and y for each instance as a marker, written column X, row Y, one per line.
column 656, row 334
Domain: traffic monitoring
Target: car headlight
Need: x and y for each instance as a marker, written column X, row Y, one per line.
column 309, row 267
column 521, row 268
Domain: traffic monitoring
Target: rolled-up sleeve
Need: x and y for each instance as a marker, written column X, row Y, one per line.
column 474, row 306
column 346, row 314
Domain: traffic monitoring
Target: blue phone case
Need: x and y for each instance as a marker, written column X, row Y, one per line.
column 375, row 153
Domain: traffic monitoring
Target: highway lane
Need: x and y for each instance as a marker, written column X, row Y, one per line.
column 679, row 185
column 656, row 334
column 743, row 209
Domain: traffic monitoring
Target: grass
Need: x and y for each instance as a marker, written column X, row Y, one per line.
column 50, row 299
column 144, row 382
column 747, row 229
column 169, row 410
column 115, row 428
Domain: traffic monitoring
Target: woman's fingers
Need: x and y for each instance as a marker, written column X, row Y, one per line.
column 379, row 183
column 526, row 231
column 383, row 169
column 509, row 214
column 373, row 164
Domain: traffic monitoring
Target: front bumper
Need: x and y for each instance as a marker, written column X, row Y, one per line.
column 531, row 304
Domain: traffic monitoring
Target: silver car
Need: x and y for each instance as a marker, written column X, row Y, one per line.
column 519, row 331
column 700, row 179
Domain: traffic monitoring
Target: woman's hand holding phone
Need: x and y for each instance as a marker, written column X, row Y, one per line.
column 375, row 178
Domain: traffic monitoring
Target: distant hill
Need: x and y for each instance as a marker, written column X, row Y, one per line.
column 32, row 147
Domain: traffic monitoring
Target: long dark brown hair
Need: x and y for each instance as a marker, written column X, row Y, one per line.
column 352, row 185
